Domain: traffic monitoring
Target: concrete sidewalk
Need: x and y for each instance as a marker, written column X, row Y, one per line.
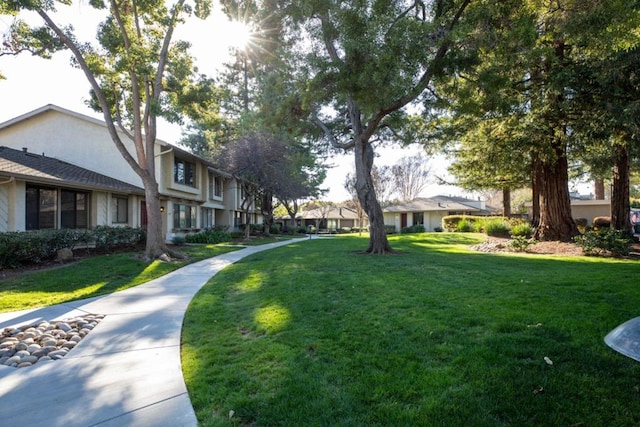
column 127, row 371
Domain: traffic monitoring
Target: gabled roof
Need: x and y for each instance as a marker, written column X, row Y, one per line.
column 331, row 213
column 437, row 203
column 51, row 107
column 49, row 170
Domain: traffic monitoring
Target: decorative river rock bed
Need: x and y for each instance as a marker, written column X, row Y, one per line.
column 30, row 344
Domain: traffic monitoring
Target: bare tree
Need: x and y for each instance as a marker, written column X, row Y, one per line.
column 411, row 175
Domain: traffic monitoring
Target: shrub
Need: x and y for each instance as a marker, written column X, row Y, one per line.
column 604, row 241
column 34, row 247
column 522, row 229
column 497, row 228
column 301, row 230
column 464, row 226
column 417, row 228
column 108, row 238
column 600, row 222
column 274, row 229
column 210, row 236
column 521, row 243
column 390, row 229
column 438, row 229
column 179, row 240
column 237, row 234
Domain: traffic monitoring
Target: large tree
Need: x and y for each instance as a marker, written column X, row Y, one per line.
column 361, row 66
column 521, row 68
column 136, row 72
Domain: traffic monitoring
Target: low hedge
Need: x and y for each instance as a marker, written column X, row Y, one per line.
column 33, row 247
column 210, row 236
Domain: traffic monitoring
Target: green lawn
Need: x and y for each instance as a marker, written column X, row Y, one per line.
column 92, row 277
column 315, row 334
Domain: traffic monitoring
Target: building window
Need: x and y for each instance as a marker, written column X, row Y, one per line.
column 217, row 187
column 184, row 216
column 120, row 209
column 73, row 209
column 207, row 218
column 184, row 172
column 418, row 218
column 41, row 208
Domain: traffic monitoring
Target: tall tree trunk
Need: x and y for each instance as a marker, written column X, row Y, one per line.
column 155, row 246
column 556, row 222
column 536, row 185
column 506, row 202
column 378, row 243
column 598, row 188
column 267, row 212
column 620, row 205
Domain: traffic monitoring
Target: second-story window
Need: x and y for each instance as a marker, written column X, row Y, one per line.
column 184, row 172
column 217, row 187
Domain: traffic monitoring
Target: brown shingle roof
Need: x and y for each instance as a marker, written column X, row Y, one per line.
column 34, row 167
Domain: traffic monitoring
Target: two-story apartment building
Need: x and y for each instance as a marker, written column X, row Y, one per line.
column 57, row 161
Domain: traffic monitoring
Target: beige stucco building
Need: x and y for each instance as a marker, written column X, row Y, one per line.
column 34, row 194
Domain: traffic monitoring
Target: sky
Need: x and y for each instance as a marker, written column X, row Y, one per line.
column 33, row 82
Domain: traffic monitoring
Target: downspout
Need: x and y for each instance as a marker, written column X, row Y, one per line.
column 9, row 181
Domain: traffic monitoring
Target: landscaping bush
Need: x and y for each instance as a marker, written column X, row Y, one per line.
column 179, row 240
column 274, row 229
column 464, row 226
column 33, row 247
column 301, row 230
column 521, row 243
column 601, row 222
column 390, row 229
column 108, row 238
column 497, row 228
column 606, row 241
column 417, row 228
column 210, row 236
column 438, row 229
column 474, row 223
column 522, row 229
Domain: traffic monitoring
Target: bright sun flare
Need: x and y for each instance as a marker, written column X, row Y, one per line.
column 238, row 34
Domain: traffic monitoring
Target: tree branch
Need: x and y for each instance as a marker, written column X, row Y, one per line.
column 113, row 132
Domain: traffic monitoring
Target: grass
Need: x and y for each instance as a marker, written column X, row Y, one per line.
column 92, row 277
column 314, row 334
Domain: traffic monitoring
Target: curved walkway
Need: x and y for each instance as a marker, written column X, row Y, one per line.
column 127, row 371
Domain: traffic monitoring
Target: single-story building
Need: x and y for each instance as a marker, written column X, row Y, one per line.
column 429, row 211
column 39, row 192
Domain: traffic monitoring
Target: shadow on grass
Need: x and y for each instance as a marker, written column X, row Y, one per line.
column 91, row 278
column 315, row 335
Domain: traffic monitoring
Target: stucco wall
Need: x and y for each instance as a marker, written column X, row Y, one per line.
column 71, row 139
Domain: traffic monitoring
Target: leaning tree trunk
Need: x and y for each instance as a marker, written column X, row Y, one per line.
column 620, row 206
column 556, row 222
column 378, row 243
